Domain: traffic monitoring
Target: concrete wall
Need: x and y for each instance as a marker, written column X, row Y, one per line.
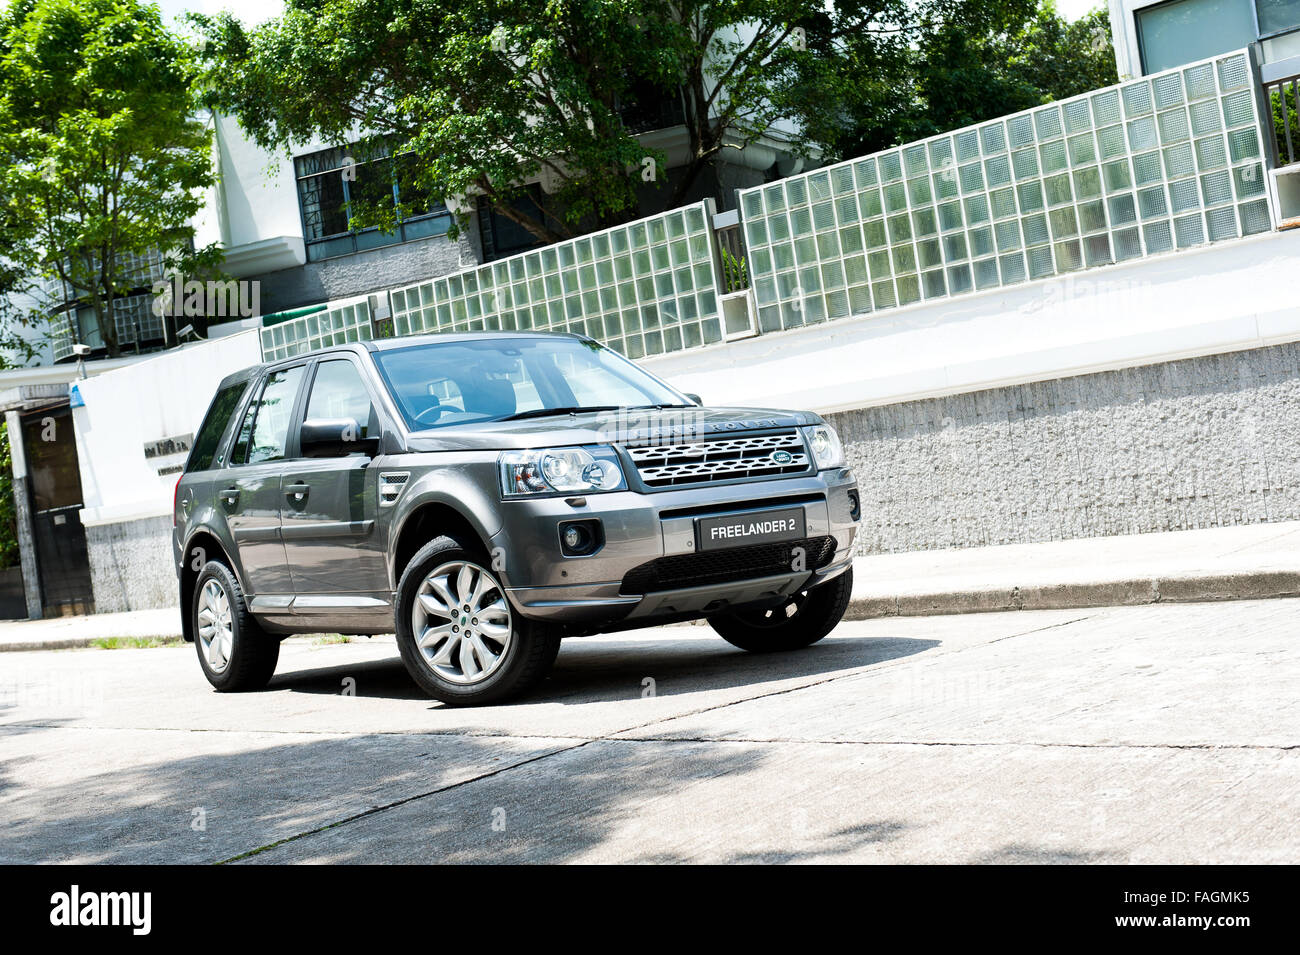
column 1204, row 442
column 131, row 564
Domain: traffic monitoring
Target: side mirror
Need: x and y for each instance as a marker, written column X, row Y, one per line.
column 335, row 438
column 696, row 398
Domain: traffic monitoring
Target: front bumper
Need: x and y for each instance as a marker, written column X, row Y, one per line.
column 542, row 583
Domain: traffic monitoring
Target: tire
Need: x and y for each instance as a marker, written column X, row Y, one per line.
column 469, row 658
column 244, row 657
column 801, row 621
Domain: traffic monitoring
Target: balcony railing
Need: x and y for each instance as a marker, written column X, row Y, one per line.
column 1166, row 162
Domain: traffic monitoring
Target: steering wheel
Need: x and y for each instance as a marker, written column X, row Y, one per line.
column 429, row 415
column 431, row 411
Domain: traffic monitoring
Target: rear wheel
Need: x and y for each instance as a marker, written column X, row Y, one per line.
column 234, row 652
column 800, row 621
column 457, row 634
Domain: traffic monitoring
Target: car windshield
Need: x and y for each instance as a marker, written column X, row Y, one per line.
column 461, row 382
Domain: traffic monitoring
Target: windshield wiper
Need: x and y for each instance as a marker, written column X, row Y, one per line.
column 547, row 412
column 659, row 407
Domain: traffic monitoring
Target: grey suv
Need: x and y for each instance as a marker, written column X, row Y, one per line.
column 486, row 495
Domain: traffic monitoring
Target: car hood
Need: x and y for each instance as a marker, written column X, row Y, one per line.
column 629, row 426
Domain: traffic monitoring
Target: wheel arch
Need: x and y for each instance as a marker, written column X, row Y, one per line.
column 202, row 543
column 426, row 521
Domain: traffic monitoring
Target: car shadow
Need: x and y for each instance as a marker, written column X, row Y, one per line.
column 628, row 666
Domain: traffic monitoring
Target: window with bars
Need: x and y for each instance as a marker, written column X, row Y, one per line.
column 331, row 180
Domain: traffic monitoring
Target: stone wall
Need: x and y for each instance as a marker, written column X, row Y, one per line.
column 131, row 564
column 1202, row 442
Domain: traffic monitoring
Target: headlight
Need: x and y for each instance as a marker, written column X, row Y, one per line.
column 826, row 448
column 560, row 471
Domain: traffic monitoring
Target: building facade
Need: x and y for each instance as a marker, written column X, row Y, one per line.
column 1029, row 329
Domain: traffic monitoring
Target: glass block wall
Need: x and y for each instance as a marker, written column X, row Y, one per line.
column 343, row 321
column 61, row 339
column 1166, row 162
column 645, row 288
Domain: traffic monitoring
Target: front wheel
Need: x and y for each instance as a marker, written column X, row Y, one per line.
column 459, row 638
column 800, row 621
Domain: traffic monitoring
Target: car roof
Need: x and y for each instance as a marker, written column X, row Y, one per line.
column 383, row 344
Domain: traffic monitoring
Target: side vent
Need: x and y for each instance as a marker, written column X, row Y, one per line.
column 391, row 484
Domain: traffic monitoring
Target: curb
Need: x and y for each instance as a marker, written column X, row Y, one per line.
column 67, row 643
column 1136, row 592
column 61, row 643
column 1110, row 593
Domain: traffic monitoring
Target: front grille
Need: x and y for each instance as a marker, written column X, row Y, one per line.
column 720, row 459
column 726, row 566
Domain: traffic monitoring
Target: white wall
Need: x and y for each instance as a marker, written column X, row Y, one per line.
column 1225, row 297
column 1123, row 30
column 258, row 189
column 163, row 397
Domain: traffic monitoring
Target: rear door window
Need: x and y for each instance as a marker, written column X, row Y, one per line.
column 204, row 453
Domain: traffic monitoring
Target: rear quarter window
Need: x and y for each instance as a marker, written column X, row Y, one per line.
column 206, row 443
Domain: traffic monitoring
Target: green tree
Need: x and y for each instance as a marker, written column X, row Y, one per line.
column 958, row 72
column 104, row 156
column 479, row 96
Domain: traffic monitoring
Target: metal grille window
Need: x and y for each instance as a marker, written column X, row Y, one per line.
column 646, row 288
column 330, row 180
column 1162, row 163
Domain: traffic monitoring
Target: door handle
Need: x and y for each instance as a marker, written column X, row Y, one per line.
column 297, row 491
column 229, row 496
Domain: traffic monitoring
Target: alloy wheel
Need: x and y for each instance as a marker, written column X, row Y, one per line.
column 216, row 635
column 461, row 622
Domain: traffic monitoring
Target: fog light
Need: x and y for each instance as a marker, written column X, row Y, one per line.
column 855, row 508
column 580, row 538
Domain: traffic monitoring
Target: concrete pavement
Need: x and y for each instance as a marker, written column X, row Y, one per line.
column 1224, row 563
column 1164, row 733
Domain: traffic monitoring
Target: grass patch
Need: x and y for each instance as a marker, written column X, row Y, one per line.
column 135, row 643
column 325, row 639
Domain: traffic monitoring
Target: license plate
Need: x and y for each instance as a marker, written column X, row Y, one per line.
column 761, row 527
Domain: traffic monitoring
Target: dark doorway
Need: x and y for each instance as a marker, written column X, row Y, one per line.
column 55, row 484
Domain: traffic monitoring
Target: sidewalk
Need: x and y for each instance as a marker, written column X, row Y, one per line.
column 1222, row 563
column 61, row 633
